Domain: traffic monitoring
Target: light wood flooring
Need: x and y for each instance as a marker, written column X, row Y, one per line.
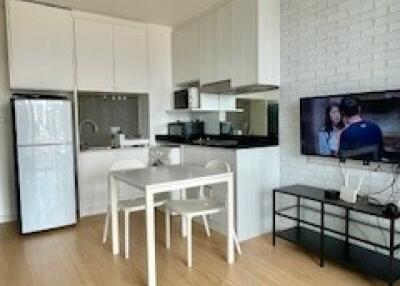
column 76, row 256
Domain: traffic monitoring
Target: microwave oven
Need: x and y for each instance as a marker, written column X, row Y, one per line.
column 186, row 98
column 186, row 130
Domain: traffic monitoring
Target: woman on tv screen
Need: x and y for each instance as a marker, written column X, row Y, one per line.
column 329, row 137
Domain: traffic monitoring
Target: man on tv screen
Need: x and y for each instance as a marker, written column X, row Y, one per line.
column 360, row 139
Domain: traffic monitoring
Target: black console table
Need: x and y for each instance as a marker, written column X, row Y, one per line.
column 342, row 251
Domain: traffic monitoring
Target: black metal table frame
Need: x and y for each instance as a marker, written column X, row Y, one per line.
column 298, row 206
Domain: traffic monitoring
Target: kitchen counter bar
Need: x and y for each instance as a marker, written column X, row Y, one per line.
column 222, row 141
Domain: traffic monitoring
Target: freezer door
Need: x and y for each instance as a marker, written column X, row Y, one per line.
column 43, row 121
column 47, row 187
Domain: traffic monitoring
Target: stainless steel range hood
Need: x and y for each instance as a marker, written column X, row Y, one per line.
column 225, row 87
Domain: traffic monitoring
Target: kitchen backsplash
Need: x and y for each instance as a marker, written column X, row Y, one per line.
column 129, row 112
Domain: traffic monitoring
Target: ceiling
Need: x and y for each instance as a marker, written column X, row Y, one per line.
column 163, row 12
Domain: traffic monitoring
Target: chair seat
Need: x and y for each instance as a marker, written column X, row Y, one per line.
column 195, row 206
column 138, row 204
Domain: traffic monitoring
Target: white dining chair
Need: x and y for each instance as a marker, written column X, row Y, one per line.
column 190, row 208
column 127, row 206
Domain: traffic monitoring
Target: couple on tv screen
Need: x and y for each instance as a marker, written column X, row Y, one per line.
column 347, row 135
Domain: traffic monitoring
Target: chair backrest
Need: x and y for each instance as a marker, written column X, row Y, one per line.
column 126, row 191
column 213, row 165
column 124, row 165
column 218, row 165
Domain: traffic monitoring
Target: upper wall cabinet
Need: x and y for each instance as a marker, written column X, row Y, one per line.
column 111, row 55
column 215, row 45
column 239, row 41
column 130, row 55
column 186, row 55
column 256, row 43
column 40, row 47
column 94, row 55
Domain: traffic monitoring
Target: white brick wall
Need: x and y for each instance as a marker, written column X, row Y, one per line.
column 332, row 47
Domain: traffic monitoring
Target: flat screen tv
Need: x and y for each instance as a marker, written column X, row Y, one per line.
column 362, row 126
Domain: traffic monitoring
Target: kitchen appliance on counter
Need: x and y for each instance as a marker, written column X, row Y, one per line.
column 187, row 98
column 44, row 162
column 186, row 130
column 225, row 128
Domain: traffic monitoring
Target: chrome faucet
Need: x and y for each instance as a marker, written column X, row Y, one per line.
column 90, row 122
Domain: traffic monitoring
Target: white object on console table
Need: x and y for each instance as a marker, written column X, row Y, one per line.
column 347, row 193
column 156, row 180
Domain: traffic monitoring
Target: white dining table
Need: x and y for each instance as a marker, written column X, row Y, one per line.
column 164, row 179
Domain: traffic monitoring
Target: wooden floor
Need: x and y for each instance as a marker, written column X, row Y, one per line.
column 75, row 256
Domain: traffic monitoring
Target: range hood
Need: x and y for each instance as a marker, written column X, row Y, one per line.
column 225, row 87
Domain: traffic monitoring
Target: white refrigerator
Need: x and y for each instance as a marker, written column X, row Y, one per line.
column 45, row 166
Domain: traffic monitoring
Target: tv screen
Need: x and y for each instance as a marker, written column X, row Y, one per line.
column 364, row 126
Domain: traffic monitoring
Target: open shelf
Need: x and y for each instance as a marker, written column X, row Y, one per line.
column 349, row 255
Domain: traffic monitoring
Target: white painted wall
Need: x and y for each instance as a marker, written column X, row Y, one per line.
column 330, row 47
column 7, row 209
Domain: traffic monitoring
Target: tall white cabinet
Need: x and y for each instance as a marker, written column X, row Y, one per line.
column 215, row 45
column 238, row 41
column 94, row 55
column 255, row 42
column 111, row 55
column 130, row 58
column 57, row 49
column 40, row 47
column 186, row 54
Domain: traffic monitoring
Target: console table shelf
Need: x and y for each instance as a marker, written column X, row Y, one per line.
column 342, row 251
column 357, row 258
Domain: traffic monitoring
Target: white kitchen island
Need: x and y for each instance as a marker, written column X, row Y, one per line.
column 256, row 172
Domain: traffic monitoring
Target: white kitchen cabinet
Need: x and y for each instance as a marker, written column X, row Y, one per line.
column 215, row 45
column 223, row 32
column 177, row 57
column 186, row 54
column 93, row 177
column 40, row 47
column 111, row 54
column 94, row 55
column 255, row 43
column 256, row 172
column 208, row 55
column 160, row 89
column 94, row 167
column 130, row 56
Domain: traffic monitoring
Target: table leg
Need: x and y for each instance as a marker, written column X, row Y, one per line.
column 183, row 220
column 113, row 189
column 273, row 218
column 322, row 238
column 298, row 213
column 150, row 238
column 230, row 218
column 347, row 227
column 391, row 258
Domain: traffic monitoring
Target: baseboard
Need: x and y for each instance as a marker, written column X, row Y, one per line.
column 7, row 218
column 91, row 210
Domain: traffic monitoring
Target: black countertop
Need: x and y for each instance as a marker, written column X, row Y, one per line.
column 222, row 141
